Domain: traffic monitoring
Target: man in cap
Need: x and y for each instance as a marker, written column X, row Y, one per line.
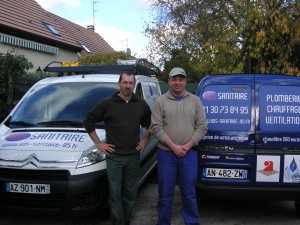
column 178, row 121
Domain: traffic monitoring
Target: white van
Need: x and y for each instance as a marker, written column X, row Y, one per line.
column 48, row 163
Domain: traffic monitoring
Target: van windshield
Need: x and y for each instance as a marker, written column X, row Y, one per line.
column 60, row 104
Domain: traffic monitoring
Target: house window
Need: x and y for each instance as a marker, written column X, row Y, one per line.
column 51, row 28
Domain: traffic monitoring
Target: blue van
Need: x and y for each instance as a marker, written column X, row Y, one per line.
column 252, row 148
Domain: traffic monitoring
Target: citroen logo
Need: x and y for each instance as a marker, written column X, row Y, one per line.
column 32, row 159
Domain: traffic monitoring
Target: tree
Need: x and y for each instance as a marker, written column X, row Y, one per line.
column 247, row 36
column 11, row 67
column 109, row 58
column 179, row 58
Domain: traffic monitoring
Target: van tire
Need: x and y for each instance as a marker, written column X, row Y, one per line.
column 297, row 207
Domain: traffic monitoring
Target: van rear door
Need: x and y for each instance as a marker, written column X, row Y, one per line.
column 277, row 133
column 226, row 155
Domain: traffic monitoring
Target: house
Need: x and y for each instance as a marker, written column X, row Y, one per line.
column 42, row 37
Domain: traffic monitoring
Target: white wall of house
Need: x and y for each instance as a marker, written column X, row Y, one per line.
column 38, row 54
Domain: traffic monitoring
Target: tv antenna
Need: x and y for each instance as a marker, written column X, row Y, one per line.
column 126, row 42
column 94, row 2
column 128, row 51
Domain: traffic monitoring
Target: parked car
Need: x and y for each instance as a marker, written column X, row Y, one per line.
column 48, row 163
column 252, row 148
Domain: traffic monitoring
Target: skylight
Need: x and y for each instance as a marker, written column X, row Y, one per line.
column 51, row 28
column 85, row 48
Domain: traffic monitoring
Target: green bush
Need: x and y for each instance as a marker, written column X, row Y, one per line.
column 37, row 75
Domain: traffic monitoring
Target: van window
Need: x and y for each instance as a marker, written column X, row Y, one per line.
column 139, row 91
column 279, row 108
column 227, row 107
column 150, row 92
column 61, row 102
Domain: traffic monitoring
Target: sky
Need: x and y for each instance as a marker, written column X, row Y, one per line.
column 119, row 22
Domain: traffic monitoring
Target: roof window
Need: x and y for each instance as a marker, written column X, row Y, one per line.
column 51, row 28
column 85, row 48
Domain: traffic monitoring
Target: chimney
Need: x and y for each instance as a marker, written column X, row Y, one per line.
column 91, row 27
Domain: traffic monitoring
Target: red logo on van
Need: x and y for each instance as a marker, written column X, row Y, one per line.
column 17, row 137
column 209, row 95
column 269, row 168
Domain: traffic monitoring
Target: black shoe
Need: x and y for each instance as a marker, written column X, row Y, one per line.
column 127, row 223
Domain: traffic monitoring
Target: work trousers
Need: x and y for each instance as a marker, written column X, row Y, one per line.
column 122, row 173
column 170, row 169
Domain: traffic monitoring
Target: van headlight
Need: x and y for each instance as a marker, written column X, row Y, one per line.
column 90, row 157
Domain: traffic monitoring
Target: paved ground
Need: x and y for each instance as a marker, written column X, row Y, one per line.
column 148, row 200
column 144, row 214
column 217, row 212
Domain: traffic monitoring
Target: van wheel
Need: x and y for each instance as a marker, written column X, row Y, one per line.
column 297, row 207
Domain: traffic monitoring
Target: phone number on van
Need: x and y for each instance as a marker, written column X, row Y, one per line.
column 227, row 109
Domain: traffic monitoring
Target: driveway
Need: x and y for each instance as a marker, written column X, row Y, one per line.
column 218, row 212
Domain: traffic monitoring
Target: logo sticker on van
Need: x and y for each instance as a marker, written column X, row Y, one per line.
column 45, row 140
column 17, row 137
column 209, row 95
column 279, row 108
column 291, row 169
column 268, row 167
column 227, row 107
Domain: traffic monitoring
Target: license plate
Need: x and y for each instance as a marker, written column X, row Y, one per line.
column 28, row 188
column 225, row 173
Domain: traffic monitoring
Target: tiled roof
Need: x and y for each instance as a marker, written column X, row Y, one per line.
column 26, row 19
column 92, row 40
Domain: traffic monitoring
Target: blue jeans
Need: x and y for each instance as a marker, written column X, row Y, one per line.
column 169, row 168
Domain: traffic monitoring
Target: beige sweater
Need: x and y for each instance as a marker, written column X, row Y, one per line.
column 179, row 120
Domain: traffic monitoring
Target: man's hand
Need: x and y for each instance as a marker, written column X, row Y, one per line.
column 188, row 145
column 141, row 145
column 106, row 148
column 178, row 150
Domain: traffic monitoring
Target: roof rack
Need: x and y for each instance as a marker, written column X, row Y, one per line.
column 136, row 66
